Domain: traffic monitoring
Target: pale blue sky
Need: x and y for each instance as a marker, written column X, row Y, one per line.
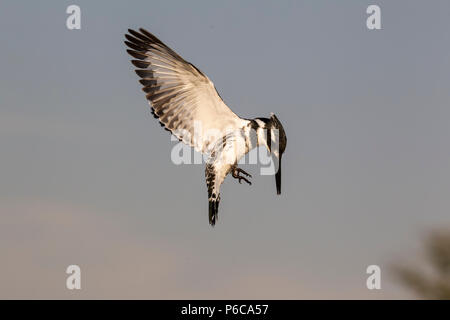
column 86, row 176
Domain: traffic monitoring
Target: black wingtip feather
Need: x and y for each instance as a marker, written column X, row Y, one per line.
column 140, row 64
column 154, row 114
column 144, row 44
column 134, row 46
column 144, row 73
column 137, row 55
column 150, row 35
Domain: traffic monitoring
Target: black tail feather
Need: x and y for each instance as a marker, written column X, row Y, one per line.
column 213, row 211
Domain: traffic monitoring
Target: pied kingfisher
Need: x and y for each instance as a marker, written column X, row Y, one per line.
column 188, row 105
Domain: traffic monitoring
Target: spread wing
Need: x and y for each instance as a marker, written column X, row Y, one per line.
column 182, row 97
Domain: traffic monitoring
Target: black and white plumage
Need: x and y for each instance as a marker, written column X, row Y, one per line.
column 188, row 105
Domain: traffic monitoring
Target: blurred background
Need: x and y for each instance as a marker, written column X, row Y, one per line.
column 86, row 176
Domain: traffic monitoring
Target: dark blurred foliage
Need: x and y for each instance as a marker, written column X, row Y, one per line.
column 431, row 281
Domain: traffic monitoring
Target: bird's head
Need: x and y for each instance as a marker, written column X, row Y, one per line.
column 276, row 143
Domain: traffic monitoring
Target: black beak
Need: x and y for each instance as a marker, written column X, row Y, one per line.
column 278, row 177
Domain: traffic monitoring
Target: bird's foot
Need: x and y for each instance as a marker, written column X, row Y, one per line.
column 235, row 174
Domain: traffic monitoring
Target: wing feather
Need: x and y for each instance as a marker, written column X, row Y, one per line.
column 181, row 96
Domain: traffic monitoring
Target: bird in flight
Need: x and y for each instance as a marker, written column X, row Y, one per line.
column 186, row 103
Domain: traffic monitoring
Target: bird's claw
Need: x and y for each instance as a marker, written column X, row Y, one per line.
column 242, row 171
column 236, row 175
column 242, row 178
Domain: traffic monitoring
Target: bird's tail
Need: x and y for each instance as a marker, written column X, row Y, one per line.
column 213, row 210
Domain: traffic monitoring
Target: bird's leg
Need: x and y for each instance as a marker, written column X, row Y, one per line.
column 235, row 173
